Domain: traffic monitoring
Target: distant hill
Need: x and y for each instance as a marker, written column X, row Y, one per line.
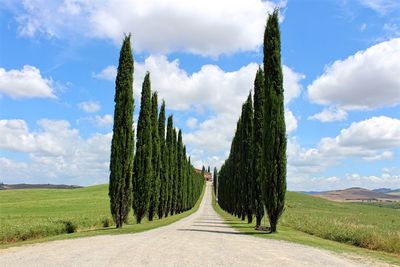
column 37, row 186
column 358, row 194
column 386, row 190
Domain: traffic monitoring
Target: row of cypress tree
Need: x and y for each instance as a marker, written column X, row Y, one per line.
column 158, row 179
column 254, row 175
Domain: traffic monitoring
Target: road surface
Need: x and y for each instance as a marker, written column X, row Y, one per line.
column 202, row 239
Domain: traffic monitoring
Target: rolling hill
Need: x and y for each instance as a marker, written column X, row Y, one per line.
column 358, row 194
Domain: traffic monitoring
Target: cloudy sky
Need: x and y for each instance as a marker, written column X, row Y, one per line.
column 341, row 76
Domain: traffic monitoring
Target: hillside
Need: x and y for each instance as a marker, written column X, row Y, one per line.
column 37, row 186
column 360, row 224
column 358, row 194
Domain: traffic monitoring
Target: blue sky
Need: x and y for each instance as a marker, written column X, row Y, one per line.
column 341, row 78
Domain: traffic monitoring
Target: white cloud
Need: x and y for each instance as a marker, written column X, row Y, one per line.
column 25, row 83
column 372, row 139
column 104, row 121
column 381, row 6
column 109, row 73
column 367, row 80
column 210, row 89
column 291, row 83
column 330, row 114
column 291, row 121
column 191, row 122
column 89, row 106
column 57, row 154
column 192, row 26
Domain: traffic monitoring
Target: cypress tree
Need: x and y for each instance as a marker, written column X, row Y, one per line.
column 185, row 184
column 156, row 159
column 179, row 177
column 247, row 160
column 168, row 166
column 174, row 172
column 163, row 163
column 274, row 184
column 215, row 180
column 122, row 145
column 143, row 172
column 258, row 145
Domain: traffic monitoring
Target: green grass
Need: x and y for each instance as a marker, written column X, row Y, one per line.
column 367, row 226
column 313, row 221
column 38, row 215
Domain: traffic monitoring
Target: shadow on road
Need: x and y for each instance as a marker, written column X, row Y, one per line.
column 222, row 232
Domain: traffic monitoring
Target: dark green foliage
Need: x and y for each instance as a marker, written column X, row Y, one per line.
column 174, row 172
column 215, row 180
column 258, row 145
column 179, row 177
column 163, row 163
column 156, row 160
column 246, row 161
column 274, row 184
column 254, row 174
column 169, row 163
column 185, row 183
column 143, row 172
column 236, row 179
column 122, row 145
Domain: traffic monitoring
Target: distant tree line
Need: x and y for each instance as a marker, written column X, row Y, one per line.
column 254, row 175
column 159, row 179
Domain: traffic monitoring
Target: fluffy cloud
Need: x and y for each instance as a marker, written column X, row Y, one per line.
column 367, row 80
column 215, row 91
column 191, row 123
column 108, row 73
column 25, row 83
column 104, row 121
column 192, row 26
column 371, row 139
column 57, row 153
column 89, row 106
column 330, row 114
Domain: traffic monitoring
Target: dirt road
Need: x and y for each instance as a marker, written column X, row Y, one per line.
column 201, row 239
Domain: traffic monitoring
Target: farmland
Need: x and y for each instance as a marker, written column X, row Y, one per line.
column 31, row 214
column 314, row 221
column 368, row 226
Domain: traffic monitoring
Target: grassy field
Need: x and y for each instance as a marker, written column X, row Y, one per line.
column 340, row 227
column 35, row 215
column 367, row 226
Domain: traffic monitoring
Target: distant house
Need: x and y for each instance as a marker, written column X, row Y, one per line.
column 207, row 175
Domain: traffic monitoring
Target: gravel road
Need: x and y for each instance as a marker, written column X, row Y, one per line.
column 201, row 239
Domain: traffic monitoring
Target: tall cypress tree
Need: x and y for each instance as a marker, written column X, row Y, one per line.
column 156, row 159
column 169, row 158
column 179, row 178
column 174, row 167
column 185, row 183
column 258, row 145
column 122, row 145
column 143, row 172
column 247, row 159
column 215, row 180
column 163, row 163
column 274, row 184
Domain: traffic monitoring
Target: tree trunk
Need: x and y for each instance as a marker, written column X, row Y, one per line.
column 258, row 221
